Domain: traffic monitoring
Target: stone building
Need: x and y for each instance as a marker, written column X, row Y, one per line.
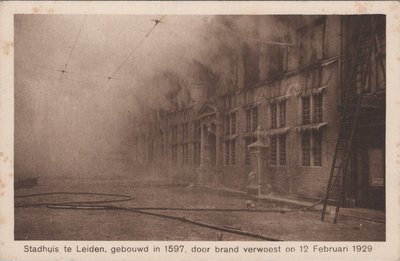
column 289, row 96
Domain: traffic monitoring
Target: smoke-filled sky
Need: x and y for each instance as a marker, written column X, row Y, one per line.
column 117, row 69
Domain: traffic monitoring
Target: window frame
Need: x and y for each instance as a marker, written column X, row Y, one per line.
column 251, row 118
column 233, row 152
column 248, row 120
column 232, row 125
column 306, row 110
column 282, row 157
column 273, row 115
column 275, row 151
column 315, row 149
column 230, row 152
column 282, row 114
column 306, row 154
column 273, row 155
column 318, row 107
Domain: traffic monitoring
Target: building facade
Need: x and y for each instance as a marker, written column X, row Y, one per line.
column 291, row 96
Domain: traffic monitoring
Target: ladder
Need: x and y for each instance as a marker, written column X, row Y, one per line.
column 349, row 116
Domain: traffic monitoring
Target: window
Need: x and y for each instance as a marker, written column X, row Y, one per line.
column 278, row 150
column 318, row 105
column 273, row 149
column 227, row 125
column 233, row 123
column 230, row 152
column 305, row 102
column 312, row 148
column 274, row 107
column 282, row 114
column 317, row 148
column 273, row 111
column 248, row 120
column 196, row 143
column 282, row 150
column 305, row 149
column 249, row 140
column 227, row 152
column 251, row 119
column 312, row 108
column 230, row 145
column 230, row 124
column 233, row 152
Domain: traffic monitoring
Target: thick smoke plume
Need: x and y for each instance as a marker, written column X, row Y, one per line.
column 119, row 71
column 210, row 63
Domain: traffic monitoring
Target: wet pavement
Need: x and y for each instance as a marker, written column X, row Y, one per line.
column 191, row 202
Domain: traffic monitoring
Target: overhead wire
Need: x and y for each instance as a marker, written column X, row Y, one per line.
column 72, row 49
column 112, row 75
column 34, row 66
column 156, row 22
column 136, row 47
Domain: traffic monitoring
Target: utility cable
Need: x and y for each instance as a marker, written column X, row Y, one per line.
column 156, row 22
column 72, row 49
column 136, row 47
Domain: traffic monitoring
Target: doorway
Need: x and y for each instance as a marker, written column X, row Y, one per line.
column 368, row 173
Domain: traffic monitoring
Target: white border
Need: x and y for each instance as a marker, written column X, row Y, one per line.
column 13, row 250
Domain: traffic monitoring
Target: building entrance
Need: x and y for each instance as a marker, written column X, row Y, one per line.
column 367, row 183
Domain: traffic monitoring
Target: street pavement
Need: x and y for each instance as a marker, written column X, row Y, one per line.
column 288, row 223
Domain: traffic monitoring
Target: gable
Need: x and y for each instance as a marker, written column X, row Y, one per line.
column 207, row 109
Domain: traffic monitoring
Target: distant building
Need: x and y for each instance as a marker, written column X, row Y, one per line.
column 294, row 94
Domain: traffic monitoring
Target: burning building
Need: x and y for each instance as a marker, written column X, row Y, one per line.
column 285, row 90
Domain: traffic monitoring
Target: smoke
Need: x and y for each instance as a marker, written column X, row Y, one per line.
column 206, row 63
column 84, row 117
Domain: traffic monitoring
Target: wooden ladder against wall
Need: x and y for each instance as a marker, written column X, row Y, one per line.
column 349, row 116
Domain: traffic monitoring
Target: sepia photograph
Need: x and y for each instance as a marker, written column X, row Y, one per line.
column 199, row 127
